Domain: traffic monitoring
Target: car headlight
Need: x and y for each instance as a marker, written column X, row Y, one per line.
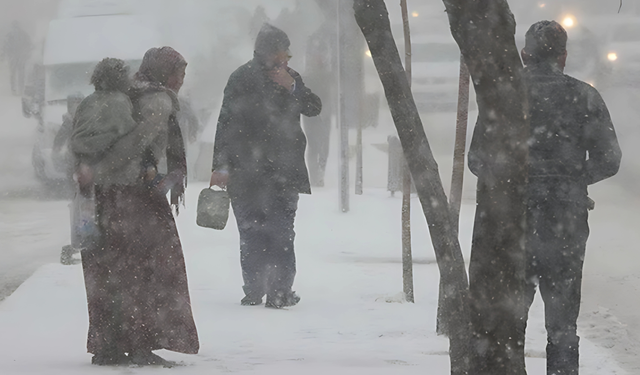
column 612, row 56
column 569, row 21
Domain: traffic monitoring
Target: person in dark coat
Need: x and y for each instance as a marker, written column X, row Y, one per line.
column 572, row 145
column 16, row 50
column 62, row 157
column 259, row 156
column 320, row 74
column 136, row 281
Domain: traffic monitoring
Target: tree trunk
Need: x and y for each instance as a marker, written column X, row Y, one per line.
column 342, row 119
column 485, row 30
column 373, row 19
column 407, row 256
column 359, row 159
column 457, row 176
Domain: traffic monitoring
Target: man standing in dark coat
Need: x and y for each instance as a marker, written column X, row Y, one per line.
column 572, row 145
column 320, row 72
column 259, row 156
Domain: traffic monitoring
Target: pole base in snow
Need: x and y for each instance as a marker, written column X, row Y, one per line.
column 69, row 255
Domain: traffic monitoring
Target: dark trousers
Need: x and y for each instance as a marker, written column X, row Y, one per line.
column 265, row 218
column 556, row 241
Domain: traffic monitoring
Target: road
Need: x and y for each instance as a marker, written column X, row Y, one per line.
column 27, row 211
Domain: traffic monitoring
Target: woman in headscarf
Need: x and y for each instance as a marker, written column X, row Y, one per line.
column 136, row 278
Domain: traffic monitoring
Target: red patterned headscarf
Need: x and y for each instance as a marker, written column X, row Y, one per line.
column 158, row 65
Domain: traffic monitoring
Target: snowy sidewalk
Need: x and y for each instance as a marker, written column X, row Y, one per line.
column 350, row 320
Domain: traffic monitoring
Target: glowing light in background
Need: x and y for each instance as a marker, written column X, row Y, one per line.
column 542, row 5
column 568, row 22
column 415, row 14
column 612, row 56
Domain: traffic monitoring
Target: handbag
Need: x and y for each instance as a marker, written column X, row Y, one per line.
column 213, row 208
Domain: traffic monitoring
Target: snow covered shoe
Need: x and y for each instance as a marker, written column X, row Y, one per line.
column 252, row 295
column 251, row 301
column 143, row 358
column 69, row 255
column 110, row 359
column 281, row 299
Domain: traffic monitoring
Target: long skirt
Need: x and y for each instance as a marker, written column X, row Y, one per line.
column 136, row 279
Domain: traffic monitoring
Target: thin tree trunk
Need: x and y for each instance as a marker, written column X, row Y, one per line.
column 457, row 176
column 373, row 19
column 407, row 257
column 342, row 122
column 484, row 31
column 359, row 157
column 359, row 161
column 407, row 39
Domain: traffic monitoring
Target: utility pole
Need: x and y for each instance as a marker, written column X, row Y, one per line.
column 359, row 161
column 407, row 257
column 342, row 119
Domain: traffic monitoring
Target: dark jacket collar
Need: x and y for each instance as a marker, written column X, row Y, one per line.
column 544, row 68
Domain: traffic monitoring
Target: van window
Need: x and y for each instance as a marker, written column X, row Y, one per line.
column 65, row 79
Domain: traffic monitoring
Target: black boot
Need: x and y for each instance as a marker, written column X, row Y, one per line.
column 253, row 296
column 110, row 358
column 147, row 358
column 251, row 301
column 282, row 299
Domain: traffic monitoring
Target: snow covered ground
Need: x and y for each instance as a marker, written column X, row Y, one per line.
column 351, row 319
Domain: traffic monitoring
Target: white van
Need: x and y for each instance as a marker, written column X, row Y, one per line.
column 73, row 47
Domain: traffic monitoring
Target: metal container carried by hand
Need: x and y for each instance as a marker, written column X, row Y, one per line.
column 213, row 208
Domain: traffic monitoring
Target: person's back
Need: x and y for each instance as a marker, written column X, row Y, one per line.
column 16, row 50
column 101, row 119
column 17, row 44
column 569, row 121
column 572, row 145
